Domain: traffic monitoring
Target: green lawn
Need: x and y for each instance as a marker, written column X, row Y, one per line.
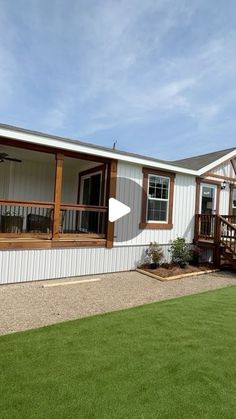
column 173, row 359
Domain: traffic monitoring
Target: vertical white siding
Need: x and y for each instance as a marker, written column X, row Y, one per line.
column 34, row 180
column 4, row 179
column 224, row 201
column 225, row 169
column 28, row 265
column 183, row 209
column 30, row 180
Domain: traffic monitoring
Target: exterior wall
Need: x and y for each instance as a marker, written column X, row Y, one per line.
column 34, row 180
column 5, row 178
column 183, row 210
column 225, row 169
column 28, row 265
column 27, row 181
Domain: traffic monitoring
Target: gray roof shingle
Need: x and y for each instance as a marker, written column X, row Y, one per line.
column 199, row 162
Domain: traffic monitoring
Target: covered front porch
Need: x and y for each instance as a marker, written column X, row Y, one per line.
column 54, row 198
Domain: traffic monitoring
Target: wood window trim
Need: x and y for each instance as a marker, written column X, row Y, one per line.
column 144, row 224
column 199, row 181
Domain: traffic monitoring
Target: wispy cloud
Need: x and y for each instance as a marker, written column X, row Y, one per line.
column 154, row 68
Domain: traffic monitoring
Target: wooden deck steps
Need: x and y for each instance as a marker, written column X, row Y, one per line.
column 218, row 233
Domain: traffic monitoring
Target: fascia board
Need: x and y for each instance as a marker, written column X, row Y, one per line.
column 81, row 148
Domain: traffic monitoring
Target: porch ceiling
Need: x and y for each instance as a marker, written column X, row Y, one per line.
column 33, row 156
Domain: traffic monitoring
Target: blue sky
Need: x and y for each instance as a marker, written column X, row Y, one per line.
column 158, row 76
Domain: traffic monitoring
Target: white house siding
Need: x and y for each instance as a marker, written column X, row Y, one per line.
column 28, row 265
column 34, row 180
column 27, row 181
column 4, row 176
column 183, row 209
column 225, row 169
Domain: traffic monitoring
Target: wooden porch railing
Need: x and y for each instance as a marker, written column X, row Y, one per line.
column 26, row 218
column 214, row 227
column 205, row 226
column 36, row 219
column 86, row 220
column 217, row 231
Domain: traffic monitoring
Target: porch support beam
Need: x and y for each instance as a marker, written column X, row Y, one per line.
column 57, row 195
column 230, row 179
column 112, row 173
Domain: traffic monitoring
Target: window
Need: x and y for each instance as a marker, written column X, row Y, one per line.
column 234, row 202
column 158, row 189
column 158, row 196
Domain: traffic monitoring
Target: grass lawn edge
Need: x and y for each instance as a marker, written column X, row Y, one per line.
column 164, row 301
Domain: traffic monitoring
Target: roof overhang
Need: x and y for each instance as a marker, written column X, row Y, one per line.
column 33, row 137
column 64, row 144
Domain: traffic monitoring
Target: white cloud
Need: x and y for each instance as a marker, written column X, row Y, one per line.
column 107, row 64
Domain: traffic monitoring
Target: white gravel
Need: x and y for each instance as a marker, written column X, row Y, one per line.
column 30, row 305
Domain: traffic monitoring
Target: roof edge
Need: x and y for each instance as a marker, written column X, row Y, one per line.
column 35, row 137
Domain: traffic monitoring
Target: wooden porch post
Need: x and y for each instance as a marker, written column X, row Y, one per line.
column 217, row 240
column 57, row 194
column 111, row 194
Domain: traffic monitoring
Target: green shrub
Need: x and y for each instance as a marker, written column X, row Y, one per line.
column 180, row 252
column 154, row 253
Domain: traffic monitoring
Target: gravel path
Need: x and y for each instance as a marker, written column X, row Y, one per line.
column 30, row 305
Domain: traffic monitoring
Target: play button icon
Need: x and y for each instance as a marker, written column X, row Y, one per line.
column 117, row 209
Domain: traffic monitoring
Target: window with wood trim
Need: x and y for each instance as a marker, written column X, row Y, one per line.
column 158, row 194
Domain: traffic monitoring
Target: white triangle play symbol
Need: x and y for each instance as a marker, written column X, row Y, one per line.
column 117, row 209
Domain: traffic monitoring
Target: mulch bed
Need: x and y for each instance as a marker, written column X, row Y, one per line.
column 169, row 270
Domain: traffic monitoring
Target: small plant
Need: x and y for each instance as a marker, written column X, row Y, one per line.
column 154, row 254
column 180, row 252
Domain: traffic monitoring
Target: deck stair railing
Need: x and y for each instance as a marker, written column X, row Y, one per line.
column 227, row 234
column 218, row 231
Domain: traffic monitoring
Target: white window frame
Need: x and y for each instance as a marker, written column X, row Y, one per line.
column 158, row 199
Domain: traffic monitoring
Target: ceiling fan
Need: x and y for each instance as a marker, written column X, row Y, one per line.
column 5, row 156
